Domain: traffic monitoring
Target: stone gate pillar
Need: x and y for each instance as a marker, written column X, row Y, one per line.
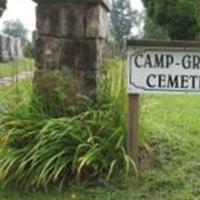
column 69, row 49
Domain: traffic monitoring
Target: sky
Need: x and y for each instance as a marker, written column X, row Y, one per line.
column 24, row 10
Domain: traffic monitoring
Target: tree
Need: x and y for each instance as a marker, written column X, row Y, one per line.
column 2, row 6
column 153, row 31
column 122, row 18
column 16, row 29
column 28, row 50
column 178, row 17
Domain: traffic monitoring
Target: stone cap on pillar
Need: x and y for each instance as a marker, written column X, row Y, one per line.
column 105, row 3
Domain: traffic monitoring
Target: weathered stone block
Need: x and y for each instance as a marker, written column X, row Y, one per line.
column 54, row 53
column 88, row 83
column 65, row 87
column 61, row 20
column 104, row 3
column 52, row 84
column 96, row 22
column 82, row 55
column 69, row 21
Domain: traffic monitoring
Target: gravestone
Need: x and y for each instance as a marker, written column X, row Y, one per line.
column 4, row 43
column 18, row 51
column 10, row 48
column 70, row 49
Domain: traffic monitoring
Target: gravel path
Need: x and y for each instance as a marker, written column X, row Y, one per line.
column 6, row 81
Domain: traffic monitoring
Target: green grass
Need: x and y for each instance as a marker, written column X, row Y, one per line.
column 169, row 129
column 13, row 68
column 169, row 153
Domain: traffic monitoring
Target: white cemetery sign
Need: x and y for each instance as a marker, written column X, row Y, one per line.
column 158, row 67
column 163, row 67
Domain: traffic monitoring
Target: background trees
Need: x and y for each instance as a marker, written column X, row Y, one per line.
column 122, row 18
column 179, row 18
column 152, row 30
column 2, row 6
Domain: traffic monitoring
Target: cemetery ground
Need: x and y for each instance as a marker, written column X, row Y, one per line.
column 169, row 148
column 12, row 68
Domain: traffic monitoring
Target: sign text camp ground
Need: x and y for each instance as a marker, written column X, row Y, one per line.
column 165, row 68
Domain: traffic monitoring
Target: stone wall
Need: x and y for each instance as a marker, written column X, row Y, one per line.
column 70, row 48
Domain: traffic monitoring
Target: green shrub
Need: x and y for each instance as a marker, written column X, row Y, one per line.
column 38, row 150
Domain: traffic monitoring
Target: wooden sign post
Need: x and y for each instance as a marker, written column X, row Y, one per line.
column 133, row 119
column 169, row 67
